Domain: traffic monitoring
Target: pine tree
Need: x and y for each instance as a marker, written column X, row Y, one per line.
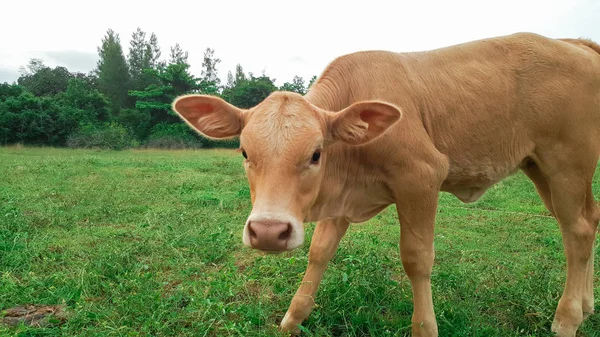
column 152, row 52
column 143, row 54
column 113, row 73
column 178, row 56
column 239, row 74
column 230, row 80
column 209, row 67
column 137, row 53
column 155, row 100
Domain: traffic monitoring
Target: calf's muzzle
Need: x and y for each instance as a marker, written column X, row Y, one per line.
column 269, row 236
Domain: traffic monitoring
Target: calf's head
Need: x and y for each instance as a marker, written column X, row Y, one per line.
column 284, row 141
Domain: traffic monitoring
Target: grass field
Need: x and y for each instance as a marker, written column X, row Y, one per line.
column 148, row 243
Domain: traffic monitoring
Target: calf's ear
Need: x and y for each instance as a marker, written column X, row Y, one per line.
column 210, row 116
column 362, row 122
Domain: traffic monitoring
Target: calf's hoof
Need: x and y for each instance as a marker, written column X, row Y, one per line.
column 424, row 329
column 290, row 325
column 588, row 308
column 568, row 317
column 588, row 313
column 563, row 330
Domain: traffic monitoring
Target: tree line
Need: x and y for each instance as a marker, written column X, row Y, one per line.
column 124, row 102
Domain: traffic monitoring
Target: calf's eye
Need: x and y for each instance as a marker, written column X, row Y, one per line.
column 315, row 157
column 244, row 154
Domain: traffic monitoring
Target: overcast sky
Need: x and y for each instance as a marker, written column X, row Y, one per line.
column 284, row 38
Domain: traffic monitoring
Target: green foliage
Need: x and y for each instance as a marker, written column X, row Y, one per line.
column 10, row 90
column 249, row 93
column 148, row 243
column 79, row 95
column 44, row 81
column 90, row 79
column 232, row 143
column 137, row 122
column 25, row 118
column 108, row 136
column 296, row 86
column 113, row 73
column 181, row 136
column 173, row 136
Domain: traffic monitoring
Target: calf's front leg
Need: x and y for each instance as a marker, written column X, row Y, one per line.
column 325, row 240
column 416, row 211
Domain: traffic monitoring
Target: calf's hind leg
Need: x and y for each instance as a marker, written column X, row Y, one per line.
column 577, row 215
column 591, row 215
column 588, row 297
column 588, row 292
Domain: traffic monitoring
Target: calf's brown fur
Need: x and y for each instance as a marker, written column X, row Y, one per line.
column 381, row 128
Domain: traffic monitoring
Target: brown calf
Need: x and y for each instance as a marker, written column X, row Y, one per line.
column 381, row 128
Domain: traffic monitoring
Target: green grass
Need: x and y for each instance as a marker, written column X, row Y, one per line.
column 148, row 243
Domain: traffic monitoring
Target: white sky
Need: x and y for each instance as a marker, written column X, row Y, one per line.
column 285, row 38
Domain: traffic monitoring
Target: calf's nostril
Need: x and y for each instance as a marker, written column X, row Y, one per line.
column 286, row 234
column 251, row 231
